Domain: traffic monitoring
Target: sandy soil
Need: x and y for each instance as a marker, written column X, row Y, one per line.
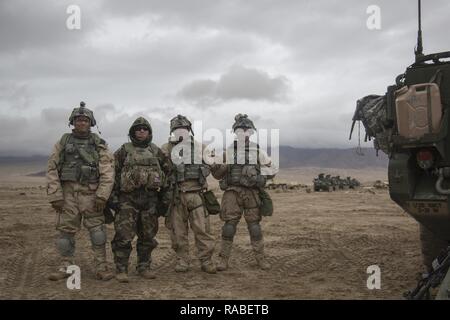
column 319, row 244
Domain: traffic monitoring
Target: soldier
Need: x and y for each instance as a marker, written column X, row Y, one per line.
column 242, row 184
column 188, row 208
column 80, row 177
column 141, row 168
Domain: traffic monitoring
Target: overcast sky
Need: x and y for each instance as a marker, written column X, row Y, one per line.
column 298, row 66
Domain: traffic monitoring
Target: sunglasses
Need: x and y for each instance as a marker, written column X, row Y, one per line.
column 82, row 119
column 139, row 128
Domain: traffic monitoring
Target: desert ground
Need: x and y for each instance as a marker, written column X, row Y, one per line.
column 319, row 244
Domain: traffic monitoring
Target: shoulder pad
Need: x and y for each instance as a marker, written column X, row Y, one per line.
column 128, row 146
column 99, row 142
column 65, row 137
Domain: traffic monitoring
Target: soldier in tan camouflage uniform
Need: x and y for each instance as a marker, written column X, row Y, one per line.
column 241, row 179
column 189, row 181
column 80, row 177
column 141, row 170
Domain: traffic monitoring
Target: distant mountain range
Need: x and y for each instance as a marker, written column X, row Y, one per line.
column 23, row 160
column 331, row 158
column 290, row 157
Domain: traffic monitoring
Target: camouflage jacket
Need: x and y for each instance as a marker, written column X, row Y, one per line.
column 120, row 156
column 105, row 166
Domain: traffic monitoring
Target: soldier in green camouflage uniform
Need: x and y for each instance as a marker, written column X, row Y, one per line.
column 80, row 178
column 241, row 179
column 188, row 208
column 141, row 169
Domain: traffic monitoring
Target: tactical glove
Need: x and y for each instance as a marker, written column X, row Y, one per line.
column 57, row 205
column 100, row 204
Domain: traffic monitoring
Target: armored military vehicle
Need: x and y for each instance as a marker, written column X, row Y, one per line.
column 411, row 123
column 321, row 183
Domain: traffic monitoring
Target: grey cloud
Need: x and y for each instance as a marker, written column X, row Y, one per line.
column 16, row 95
column 21, row 136
column 40, row 24
column 238, row 83
column 322, row 47
column 52, row 116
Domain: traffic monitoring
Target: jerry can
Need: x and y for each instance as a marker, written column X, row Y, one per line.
column 418, row 109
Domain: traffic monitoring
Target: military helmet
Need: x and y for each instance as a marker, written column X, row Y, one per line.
column 180, row 122
column 242, row 121
column 140, row 121
column 82, row 111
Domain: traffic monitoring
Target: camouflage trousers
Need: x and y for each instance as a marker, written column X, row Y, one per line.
column 79, row 205
column 238, row 202
column 190, row 211
column 136, row 217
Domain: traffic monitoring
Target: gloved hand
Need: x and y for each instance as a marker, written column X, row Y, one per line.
column 113, row 202
column 57, row 205
column 100, row 204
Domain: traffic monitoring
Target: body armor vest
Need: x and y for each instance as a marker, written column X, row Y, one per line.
column 79, row 159
column 193, row 171
column 141, row 169
column 246, row 174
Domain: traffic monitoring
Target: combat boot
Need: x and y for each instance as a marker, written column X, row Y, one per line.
column 101, row 268
column 182, row 265
column 258, row 249
column 145, row 272
column 122, row 277
column 263, row 263
column 209, row 267
column 224, row 255
column 61, row 273
column 122, row 273
column 103, row 273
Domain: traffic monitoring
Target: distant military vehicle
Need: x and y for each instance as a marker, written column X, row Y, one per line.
column 277, row 186
column 341, row 184
column 321, row 183
column 331, row 181
column 379, row 185
column 352, row 183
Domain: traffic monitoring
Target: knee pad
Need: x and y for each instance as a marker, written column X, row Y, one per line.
column 66, row 244
column 255, row 231
column 121, row 245
column 98, row 236
column 229, row 230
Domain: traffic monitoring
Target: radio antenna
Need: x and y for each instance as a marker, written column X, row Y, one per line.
column 419, row 49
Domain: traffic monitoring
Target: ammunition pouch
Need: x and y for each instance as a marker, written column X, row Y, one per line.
column 210, row 202
column 266, row 205
column 246, row 176
column 69, row 172
column 136, row 178
column 198, row 172
column 88, row 174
